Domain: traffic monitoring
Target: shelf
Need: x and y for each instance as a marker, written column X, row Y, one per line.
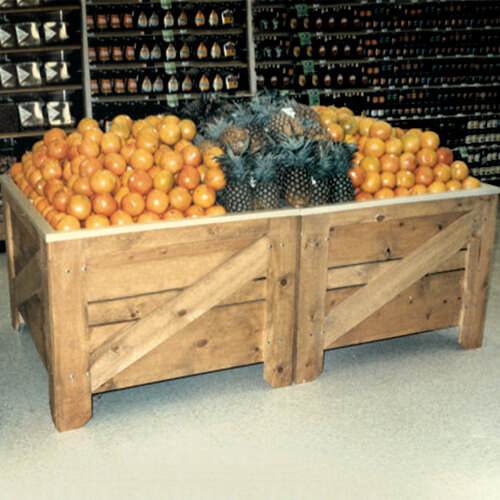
column 159, row 33
column 27, row 133
column 37, row 90
column 164, row 97
column 39, row 49
column 160, row 65
column 39, row 9
column 142, row 2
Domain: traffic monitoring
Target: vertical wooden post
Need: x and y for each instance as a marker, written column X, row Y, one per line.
column 9, row 246
column 313, row 267
column 280, row 306
column 67, row 335
column 477, row 270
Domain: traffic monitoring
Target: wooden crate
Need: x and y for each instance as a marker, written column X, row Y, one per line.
column 2, row 223
column 381, row 270
column 120, row 307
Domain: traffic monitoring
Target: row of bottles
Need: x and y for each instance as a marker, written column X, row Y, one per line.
column 116, row 83
column 155, row 50
column 109, row 18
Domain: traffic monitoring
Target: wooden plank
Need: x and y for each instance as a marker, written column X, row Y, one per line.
column 384, row 240
column 149, row 276
column 432, row 303
column 390, row 282
column 28, row 281
column 398, row 209
column 361, row 274
column 280, row 303
column 133, row 308
column 222, row 338
column 135, row 341
column 477, row 272
column 314, row 243
column 33, row 313
column 123, row 248
column 26, row 243
column 64, row 300
column 15, row 317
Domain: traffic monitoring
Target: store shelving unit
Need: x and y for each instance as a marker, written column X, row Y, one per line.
column 429, row 64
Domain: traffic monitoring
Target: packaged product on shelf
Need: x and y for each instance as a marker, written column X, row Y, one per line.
column 170, row 52
column 54, row 32
column 173, row 85
column 199, row 19
column 217, row 83
column 128, row 20
column 158, row 85
column 130, row 53
column 59, row 114
column 144, row 53
column 215, row 51
column 94, row 86
column 204, row 83
column 103, row 53
column 119, row 85
column 168, row 20
column 7, row 36
column 185, row 52
column 227, row 17
column 132, row 85
column 187, row 84
column 154, row 20
column 146, row 85
column 142, row 20
column 28, row 3
column 28, row 74
column 7, row 4
column 90, row 22
column 8, row 76
column 28, row 34
column 115, row 21
column 92, row 55
column 213, row 19
column 229, row 49
column 30, row 114
column 117, row 53
column 155, row 53
column 232, row 82
column 182, row 19
column 102, row 21
column 201, row 51
column 106, row 86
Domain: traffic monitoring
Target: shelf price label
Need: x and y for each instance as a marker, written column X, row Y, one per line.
column 172, row 100
column 170, row 68
column 284, row 92
column 302, row 10
column 166, row 4
column 305, row 38
column 168, row 35
column 313, row 95
column 308, row 66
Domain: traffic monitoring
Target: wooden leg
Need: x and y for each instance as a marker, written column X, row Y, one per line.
column 477, row 270
column 9, row 243
column 280, row 307
column 67, row 336
column 313, row 264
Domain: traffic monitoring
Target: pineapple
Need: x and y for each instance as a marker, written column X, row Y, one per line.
column 267, row 190
column 342, row 189
column 237, row 195
column 204, row 144
column 244, row 117
column 285, row 122
column 235, row 137
column 296, row 157
column 304, row 112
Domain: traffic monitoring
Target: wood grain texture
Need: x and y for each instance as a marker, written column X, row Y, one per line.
column 360, row 274
column 28, row 281
column 390, row 282
column 280, row 302
column 34, row 314
column 221, row 338
column 434, row 302
column 314, row 245
column 135, row 341
column 383, row 240
column 478, row 265
column 64, row 300
column 138, row 306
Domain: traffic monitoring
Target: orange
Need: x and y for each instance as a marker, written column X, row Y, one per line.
column 188, row 129
column 405, row 178
column 147, row 217
column 141, row 160
column 82, row 186
column 429, row 140
column 445, row 155
column 394, row 146
column 103, row 181
column 57, row 148
column 415, row 131
column 79, row 206
column 194, row 211
column 327, row 117
column 389, row 163
column 408, row 161
column 357, row 175
column 53, row 133
column 427, row 157
column 459, row 170
column 68, row 223
column 140, row 182
column 388, row 180
column 147, row 142
column 453, row 185
column 170, row 119
column 157, row 201
column 182, row 144
column 442, row 172
column 172, row 213
column 471, row 183
column 401, row 191
column 133, row 204
column 419, row 189
column 363, row 195
column 336, row 132
column 95, row 221
column 188, row 177
column 89, row 148
column 204, row 196
column 122, row 191
column 122, row 119
column 164, row 181
column 180, row 198
column 372, row 182
column 104, row 204
column 86, row 124
column 384, row 193
column 209, row 158
column 436, row 187
column 89, row 166
column 364, row 125
column 110, row 143
column 127, row 150
column 171, row 161
column 424, row 175
column 216, row 179
column 370, row 164
column 215, row 210
column 374, row 147
column 61, row 199
column 170, row 133
column 192, row 155
column 121, row 218
column 15, row 169
column 381, row 130
column 116, row 163
column 411, row 143
column 51, row 169
column 93, row 134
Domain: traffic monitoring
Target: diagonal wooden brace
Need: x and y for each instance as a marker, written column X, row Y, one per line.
column 391, row 281
column 27, row 282
column 135, row 341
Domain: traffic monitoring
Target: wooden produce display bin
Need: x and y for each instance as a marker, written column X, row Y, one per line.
column 123, row 306
column 376, row 270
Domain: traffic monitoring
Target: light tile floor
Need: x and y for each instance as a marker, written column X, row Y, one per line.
column 409, row 418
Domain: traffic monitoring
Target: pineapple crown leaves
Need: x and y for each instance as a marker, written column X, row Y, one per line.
column 213, row 129
column 295, row 152
column 237, row 168
column 339, row 154
column 265, row 166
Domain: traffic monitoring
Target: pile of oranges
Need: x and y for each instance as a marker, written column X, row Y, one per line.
column 390, row 161
column 138, row 171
